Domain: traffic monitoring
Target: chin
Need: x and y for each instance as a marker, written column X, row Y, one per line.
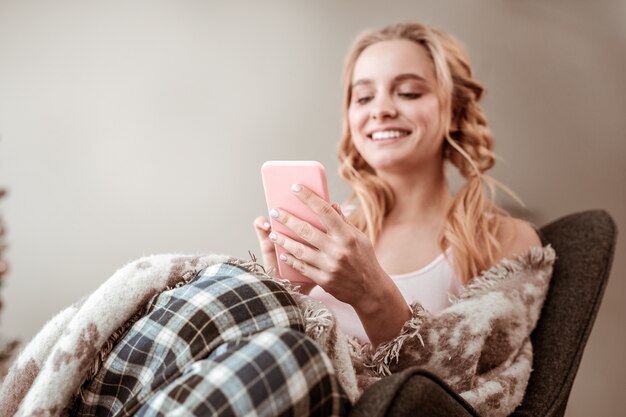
column 387, row 164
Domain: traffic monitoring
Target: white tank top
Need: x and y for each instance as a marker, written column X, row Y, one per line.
column 431, row 286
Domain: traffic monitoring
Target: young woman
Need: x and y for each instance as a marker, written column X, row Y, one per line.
column 411, row 105
column 212, row 335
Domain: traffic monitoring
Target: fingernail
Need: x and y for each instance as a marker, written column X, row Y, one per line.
column 266, row 225
column 274, row 213
column 282, row 257
column 273, row 236
column 296, row 188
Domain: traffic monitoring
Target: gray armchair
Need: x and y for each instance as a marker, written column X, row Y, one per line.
column 584, row 243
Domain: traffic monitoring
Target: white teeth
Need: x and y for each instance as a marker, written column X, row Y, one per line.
column 388, row 134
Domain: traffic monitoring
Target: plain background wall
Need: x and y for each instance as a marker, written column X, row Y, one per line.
column 139, row 127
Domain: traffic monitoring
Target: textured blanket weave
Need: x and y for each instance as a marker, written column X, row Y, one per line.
column 480, row 345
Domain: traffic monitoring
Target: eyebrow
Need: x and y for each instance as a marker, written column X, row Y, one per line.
column 401, row 77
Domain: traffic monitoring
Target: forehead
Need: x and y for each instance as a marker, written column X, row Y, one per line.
column 386, row 59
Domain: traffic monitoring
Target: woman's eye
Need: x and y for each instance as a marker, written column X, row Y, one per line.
column 363, row 100
column 410, row 96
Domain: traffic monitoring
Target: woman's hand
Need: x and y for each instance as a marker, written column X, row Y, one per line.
column 343, row 262
column 342, row 259
column 268, row 251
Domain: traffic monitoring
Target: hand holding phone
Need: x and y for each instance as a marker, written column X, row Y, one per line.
column 278, row 177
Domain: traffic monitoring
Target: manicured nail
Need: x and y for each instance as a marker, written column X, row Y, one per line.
column 296, row 188
column 273, row 236
column 283, row 257
column 274, row 213
column 266, row 225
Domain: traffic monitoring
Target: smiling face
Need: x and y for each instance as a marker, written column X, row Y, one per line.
column 394, row 112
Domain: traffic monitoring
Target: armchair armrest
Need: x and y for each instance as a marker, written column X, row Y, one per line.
column 413, row 392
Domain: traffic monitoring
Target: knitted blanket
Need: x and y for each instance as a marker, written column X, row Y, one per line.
column 480, row 345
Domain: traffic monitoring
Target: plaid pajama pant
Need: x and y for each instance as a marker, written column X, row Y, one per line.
column 226, row 344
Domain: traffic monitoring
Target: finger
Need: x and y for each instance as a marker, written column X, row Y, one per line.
column 267, row 246
column 261, row 223
column 297, row 249
column 262, row 232
column 327, row 214
column 268, row 250
column 308, row 270
column 303, row 229
column 337, row 208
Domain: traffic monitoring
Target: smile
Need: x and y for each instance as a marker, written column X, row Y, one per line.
column 389, row 134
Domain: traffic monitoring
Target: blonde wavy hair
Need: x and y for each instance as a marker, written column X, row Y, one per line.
column 473, row 221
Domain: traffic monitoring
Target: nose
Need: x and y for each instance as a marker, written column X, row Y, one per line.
column 383, row 107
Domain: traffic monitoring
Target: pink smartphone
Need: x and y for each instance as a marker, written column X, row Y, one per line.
column 278, row 177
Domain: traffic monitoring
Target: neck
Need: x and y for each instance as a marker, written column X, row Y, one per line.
column 422, row 198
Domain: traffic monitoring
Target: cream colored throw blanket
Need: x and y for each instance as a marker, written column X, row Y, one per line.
column 480, row 345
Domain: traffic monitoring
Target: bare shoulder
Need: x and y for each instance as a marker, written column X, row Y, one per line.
column 516, row 236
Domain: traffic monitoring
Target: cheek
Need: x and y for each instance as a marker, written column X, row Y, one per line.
column 426, row 115
column 430, row 110
column 356, row 120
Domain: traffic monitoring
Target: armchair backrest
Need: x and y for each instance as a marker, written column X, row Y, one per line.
column 584, row 244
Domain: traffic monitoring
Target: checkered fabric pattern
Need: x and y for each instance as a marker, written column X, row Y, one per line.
column 227, row 344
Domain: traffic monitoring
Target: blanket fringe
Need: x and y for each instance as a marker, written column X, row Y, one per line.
column 317, row 320
column 534, row 258
column 254, row 267
column 389, row 352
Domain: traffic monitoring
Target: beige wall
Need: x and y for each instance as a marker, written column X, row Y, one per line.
column 138, row 127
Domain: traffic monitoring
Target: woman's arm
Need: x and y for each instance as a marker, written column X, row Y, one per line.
column 383, row 312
